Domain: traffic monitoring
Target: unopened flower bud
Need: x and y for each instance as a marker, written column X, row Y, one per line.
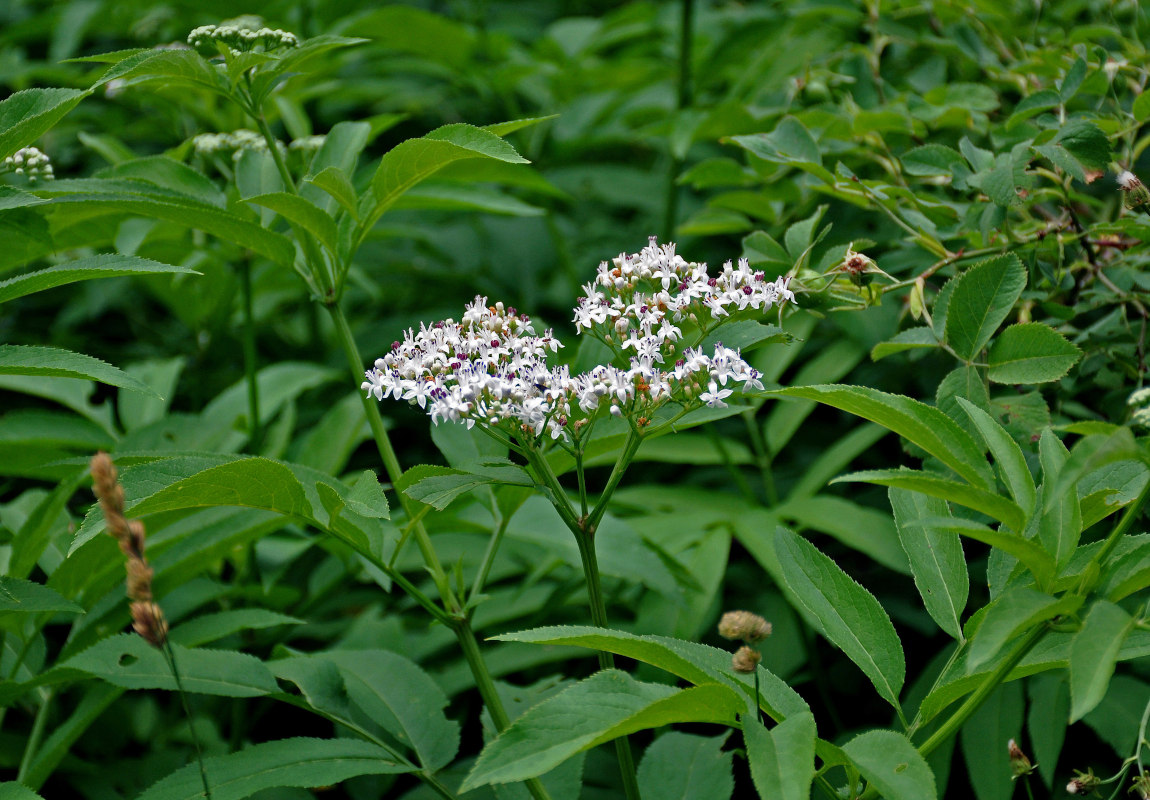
column 1019, row 763
column 1141, row 787
column 746, row 659
column 744, row 625
column 1083, row 783
column 1136, row 194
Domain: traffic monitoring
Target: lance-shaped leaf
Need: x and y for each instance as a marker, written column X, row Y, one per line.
column 923, row 425
column 299, row 211
column 684, row 766
column 1012, row 613
column 1093, row 653
column 1008, row 457
column 843, row 611
column 936, row 558
column 19, row 359
column 128, row 661
column 606, row 706
column 691, row 661
column 19, row 595
column 83, row 269
column 26, row 115
column 1033, row 557
column 410, row 162
column 275, row 765
column 891, row 764
column 782, row 759
column 1060, row 526
column 989, row 503
column 981, row 300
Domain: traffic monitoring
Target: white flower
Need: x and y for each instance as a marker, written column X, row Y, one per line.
column 714, row 396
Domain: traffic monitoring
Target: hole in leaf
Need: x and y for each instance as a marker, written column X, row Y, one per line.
column 901, row 767
column 127, row 660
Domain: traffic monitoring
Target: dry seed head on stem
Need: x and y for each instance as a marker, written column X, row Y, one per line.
column 744, row 625
column 746, row 659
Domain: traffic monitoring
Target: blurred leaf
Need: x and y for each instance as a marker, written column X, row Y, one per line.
column 52, row 361
column 782, row 759
column 682, row 766
column 26, row 115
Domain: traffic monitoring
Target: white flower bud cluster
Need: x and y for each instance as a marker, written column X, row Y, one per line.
column 307, row 144
column 490, row 368
column 241, row 38
column 236, row 142
column 30, row 162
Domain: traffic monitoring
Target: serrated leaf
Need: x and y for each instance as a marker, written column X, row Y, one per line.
column 1031, row 352
column 211, row 627
column 1008, row 457
column 414, row 160
column 367, row 497
column 335, row 182
column 298, row 211
column 603, row 707
column 982, row 299
column 83, row 269
column 1093, row 654
column 1086, row 142
column 275, row 765
column 782, row 759
column 128, row 661
column 911, row 339
column 23, row 596
column 843, row 611
column 919, row 423
column 1031, row 106
column 26, row 115
column 1037, row 560
column 892, row 765
column 930, row 159
column 1013, row 613
column 989, row 503
column 697, row 663
column 936, row 558
column 18, row 359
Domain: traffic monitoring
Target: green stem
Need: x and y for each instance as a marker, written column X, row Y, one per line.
column 762, row 457
column 254, row 428
column 488, row 559
column 617, row 472
column 35, row 736
column 170, row 655
column 387, row 454
column 487, row 691
column 736, row 474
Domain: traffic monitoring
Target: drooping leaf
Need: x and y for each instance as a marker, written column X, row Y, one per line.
column 843, row 611
column 83, row 269
column 1093, row 653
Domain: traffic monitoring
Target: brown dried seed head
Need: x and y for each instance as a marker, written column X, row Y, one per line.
column 1019, row 762
column 744, row 625
column 148, row 621
column 139, row 579
column 746, row 659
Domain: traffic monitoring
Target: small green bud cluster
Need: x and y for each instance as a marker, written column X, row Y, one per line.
column 235, row 143
column 31, row 163
column 241, row 38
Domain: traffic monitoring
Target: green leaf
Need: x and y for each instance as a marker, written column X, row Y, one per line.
column 1031, row 106
column 982, row 299
column 761, row 248
column 682, row 766
column 843, row 611
column 25, row 116
column 301, row 212
column 984, row 738
column 335, row 182
column 1047, row 711
column 857, row 526
column 697, row 663
column 891, row 764
column 212, row 627
column 910, row 339
column 367, row 497
column 13, row 790
column 1037, row 560
column 1031, row 352
column 603, row 707
column 782, row 759
column 510, row 126
column 789, row 143
column 19, row 595
column 936, row 558
column 919, row 423
column 414, row 160
column 276, row 765
column 439, row 486
column 377, row 689
column 1008, row 457
column 128, row 661
column 1141, row 107
column 83, row 269
column 1012, row 613
column 1086, row 142
column 17, row 359
column 990, row 503
column 931, row 159
column 249, row 482
column 175, row 67
column 1093, row 654
column 1060, row 526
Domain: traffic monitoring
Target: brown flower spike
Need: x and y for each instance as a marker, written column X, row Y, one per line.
column 751, row 628
column 147, row 617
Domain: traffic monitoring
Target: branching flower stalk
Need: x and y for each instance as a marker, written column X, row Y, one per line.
column 147, row 616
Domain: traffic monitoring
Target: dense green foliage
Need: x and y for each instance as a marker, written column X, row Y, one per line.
column 935, row 498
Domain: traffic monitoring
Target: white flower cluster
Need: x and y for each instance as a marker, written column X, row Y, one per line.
column 491, row 368
column 241, row 38
column 235, row 143
column 30, row 162
column 307, row 144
